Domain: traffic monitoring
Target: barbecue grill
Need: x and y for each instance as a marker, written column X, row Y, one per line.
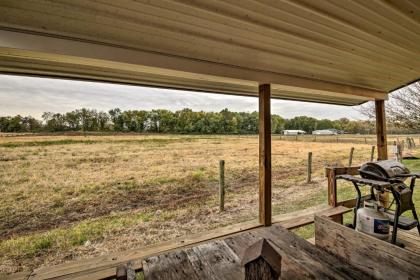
column 385, row 170
column 388, row 176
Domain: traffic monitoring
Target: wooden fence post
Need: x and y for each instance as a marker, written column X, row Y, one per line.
column 400, row 148
column 408, row 142
column 372, row 153
column 309, row 178
column 222, row 185
column 351, row 156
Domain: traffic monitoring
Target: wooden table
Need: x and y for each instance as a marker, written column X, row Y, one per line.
column 221, row 259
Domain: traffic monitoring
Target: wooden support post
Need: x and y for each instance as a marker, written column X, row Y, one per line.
column 381, row 140
column 381, row 130
column 264, row 154
column 332, row 186
column 309, row 178
column 222, row 185
column 372, row 153
column 351, row 156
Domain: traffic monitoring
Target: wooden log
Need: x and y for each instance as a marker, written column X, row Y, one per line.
column 221, row 185
column 376, row 258
column 264, row 154
column 309, row 166
column 261, row 261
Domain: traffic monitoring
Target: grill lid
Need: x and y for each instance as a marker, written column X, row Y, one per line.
column 382, row 170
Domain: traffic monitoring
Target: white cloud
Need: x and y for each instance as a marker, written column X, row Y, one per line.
column 33, row 96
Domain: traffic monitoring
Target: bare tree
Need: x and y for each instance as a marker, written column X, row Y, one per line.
column 403, row 108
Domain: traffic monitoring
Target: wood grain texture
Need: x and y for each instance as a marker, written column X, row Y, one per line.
column 300, row 259
column 376, row 258
column 381, row 130
column 381, row 140
column 331, row 173
column 221, row 259
column 265, row 154
column 213, row 260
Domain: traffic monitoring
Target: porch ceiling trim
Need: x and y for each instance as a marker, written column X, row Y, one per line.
column 49, row 55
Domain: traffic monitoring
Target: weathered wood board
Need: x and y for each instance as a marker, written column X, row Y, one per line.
column 377, row 258
column 222, row 259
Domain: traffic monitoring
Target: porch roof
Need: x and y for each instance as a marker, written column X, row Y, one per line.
column 341, row 52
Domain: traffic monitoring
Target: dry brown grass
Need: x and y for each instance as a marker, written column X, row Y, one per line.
column 66, row 197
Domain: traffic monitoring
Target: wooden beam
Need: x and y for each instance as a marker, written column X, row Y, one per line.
column 265, row 154
column 381, row 130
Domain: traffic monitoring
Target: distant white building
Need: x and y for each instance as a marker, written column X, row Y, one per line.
column 331, row 131
column 293, row 132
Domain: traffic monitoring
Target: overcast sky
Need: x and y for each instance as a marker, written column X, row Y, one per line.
column 33, row 96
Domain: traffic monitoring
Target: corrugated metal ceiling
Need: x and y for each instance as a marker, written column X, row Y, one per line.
column 372, row 45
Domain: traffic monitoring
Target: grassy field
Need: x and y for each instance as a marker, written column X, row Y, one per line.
column 70, row 197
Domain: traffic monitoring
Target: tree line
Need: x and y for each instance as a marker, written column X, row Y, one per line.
column 184, row 121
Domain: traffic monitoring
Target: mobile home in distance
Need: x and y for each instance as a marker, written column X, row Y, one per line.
column 331, row 131
column 293, row 132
